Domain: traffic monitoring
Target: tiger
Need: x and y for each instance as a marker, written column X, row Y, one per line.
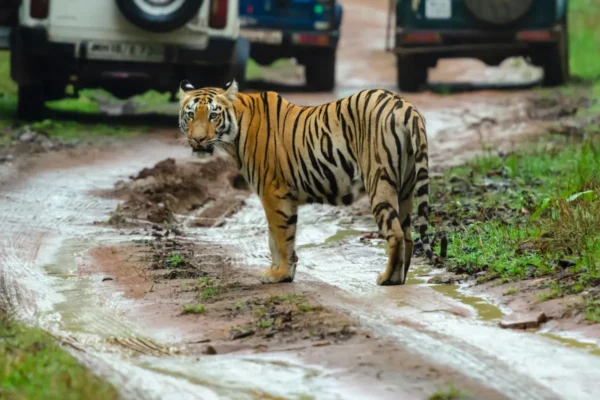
column 372, row 142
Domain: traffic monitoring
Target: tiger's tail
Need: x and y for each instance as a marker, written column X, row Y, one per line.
column 422, row 188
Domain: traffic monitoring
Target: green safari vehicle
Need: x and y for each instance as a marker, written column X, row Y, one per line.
column 489, row 30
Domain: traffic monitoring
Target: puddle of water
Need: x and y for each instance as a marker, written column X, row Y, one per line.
column 485, row 310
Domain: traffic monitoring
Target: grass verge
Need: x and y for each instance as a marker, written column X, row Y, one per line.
column 584, row 38
column 32, row 366
column 531, row 214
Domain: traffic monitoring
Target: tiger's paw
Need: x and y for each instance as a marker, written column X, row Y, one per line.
column 271, row 275
column 383, row 280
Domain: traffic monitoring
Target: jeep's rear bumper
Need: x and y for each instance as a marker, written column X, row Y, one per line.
column 218, row 52
column 473, row 43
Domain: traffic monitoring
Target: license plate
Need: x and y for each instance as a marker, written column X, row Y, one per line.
column 125, row 51
column 258, row 36
column 438, row 9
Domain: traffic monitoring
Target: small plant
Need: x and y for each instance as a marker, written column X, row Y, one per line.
column 239, row 305
column 174, row 260
column 592, row 310
column 451, row 393
column 259, row 312
column 204, row 282
column 194, row 309
column 265, row 323
column 208, row 292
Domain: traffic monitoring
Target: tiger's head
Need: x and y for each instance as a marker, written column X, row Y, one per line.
column 207, row 116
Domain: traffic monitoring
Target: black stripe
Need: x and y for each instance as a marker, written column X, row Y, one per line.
column 407, row 114
column 423, row 190
column 348, row 168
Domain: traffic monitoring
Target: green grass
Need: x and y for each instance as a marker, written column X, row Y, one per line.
column 584, row 38
column 174, row 260
column 194, row 309
column 33, row 366
column 451, row 393
column 592, row 310
column 265, row 323
column 208, row 292
column 537, row 207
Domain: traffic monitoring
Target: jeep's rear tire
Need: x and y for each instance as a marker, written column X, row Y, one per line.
column 412, row 74
column 157, row 22
column 320, row 69
column 30, row 103
column 498, row 12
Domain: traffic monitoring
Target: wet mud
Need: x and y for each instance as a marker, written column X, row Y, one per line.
column 168, row 192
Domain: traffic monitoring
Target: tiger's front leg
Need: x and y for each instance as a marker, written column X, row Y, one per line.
column 282, row 218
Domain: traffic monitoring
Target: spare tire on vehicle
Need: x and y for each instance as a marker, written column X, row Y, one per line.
column 498, row 12
column 159, row 15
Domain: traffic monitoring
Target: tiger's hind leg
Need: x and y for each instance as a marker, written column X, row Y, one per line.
column 409, row 243
column 282, row 218
column 384, row 205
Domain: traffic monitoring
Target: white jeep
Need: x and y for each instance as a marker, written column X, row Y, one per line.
column 123, row 46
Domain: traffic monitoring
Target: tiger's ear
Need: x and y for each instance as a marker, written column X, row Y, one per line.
column 184, row 87
column 232, row 90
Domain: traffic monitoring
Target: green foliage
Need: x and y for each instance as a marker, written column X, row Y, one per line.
column 265, row 323
column 584, row 38
column 194, row 309
column 174, row 260
column 518, row 216
column 452, row 393
column 32, row 366
column 208, row 292
column 592, row 310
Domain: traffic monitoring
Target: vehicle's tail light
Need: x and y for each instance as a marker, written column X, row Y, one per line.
column 534, row 36
column 249, row 9
column 38, row 9
column 308, row 39
column 421, row 37
column 218, row 14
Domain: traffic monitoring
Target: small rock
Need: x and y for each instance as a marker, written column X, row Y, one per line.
column 27, row 136
column 321, row 343
column 209, row 350
column 157, row 227
column 157, row 234
column 177, row 231
column 242, row 334
column 523, row 320
column 270, row 333
column 107, row 278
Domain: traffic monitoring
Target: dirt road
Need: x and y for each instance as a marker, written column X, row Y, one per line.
column 62, row 270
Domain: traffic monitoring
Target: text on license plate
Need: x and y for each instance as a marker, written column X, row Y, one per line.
column 125, row 51
column 258, row 36
column 438, row 9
